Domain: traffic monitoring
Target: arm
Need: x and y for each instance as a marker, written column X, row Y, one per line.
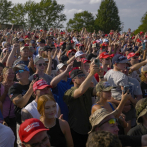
column 25, row 115
column 58, row 78
column 134, row 101
column 49, row 67
column 4, row 59
column 70, row 60
column 66, row 131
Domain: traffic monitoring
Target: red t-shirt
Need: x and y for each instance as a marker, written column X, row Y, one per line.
column 97, row 76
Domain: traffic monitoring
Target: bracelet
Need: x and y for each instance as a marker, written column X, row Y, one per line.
column 101, row 77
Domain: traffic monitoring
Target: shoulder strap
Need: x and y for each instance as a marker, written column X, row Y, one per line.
column 111, row 106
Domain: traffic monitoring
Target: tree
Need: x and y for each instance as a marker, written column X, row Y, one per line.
column 18, row 14
column 107, row 17
column 5, row 10
column 143, row 26
column 80, row 20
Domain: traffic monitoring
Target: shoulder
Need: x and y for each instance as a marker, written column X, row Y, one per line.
column 63, row 125
column 47, row 76
column 134, row 131
column 95, row 107
column 25, row 114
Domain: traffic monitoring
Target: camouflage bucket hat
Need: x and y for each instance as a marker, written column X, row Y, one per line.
column 141, row 109
column 103, row 86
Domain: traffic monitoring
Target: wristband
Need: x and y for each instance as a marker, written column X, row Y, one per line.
column 101, row 77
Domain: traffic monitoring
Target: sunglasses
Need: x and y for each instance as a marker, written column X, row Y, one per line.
column 40, row 64
column 81, row 75
column 20, row 71
column 111, row 121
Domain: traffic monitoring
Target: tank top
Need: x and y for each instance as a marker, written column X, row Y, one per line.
column 57, row 138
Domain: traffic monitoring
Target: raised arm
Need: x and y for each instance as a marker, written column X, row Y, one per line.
column 49, row 67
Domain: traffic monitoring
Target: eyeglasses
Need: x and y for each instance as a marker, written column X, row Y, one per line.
column 20, row 71
column 111, row 121
column 40, row 64
column 81, row 75
column 43, row 142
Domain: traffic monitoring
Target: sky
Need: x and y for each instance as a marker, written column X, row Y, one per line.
column 130, row 11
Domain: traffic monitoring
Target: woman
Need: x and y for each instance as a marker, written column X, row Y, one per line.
column 141, row 113
column 59, row 131
column 144, row 81
column 8, row 107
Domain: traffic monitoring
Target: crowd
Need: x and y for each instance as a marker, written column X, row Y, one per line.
column 72, row 89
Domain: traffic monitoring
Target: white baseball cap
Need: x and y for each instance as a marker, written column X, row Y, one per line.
column 60, row 65
column 79, row 53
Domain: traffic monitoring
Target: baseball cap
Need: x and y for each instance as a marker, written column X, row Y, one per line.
column 24, row 47
column 33, row 42
column 145, row 40
column 105, row 40
column 20, row 66
column 94, row 45
column 138, row 40
column 60, row 65
column 40, row 84
column 105, row 55
column 75, row 72
column 72, row 50
column 119, row 59
column 141, row 109
column 41, row 41
column 79, row 53
column 144, row 68
column 141, row 33
column 29, row 128
column 84, row 60
column 37, row 59
column 31, row 49
column 103, row 86
column 130, row 55
column 98, row 116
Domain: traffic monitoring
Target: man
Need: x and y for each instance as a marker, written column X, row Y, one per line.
column 102, row 120
column 79, row 55
column 105, row 60
column 7, row 137
column 79, row 102
column 41, row 43
column 61, row 83
column 33, row 133
column 40, row 87
column 40, row 64
column 94, row 52
column 21, row 92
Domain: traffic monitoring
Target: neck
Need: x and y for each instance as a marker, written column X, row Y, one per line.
column 8, row 81
column 49, row 122
column 76, row 85
column 103, row 101
column 24, row 81
column 115, row 69
column 24, row 58
column 40, row 73
column 104, row 67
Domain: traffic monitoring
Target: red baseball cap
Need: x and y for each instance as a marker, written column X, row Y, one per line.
column 84, row 60
column 138, row 40
column 72, row 50
column 104, row 55
column 40, row 84
column 111, row 33
column 61, row 43
column 72, row 41
column 104, row 44
column 130, row 55
column 141, row 33
column 29, row 128
column 26, row 36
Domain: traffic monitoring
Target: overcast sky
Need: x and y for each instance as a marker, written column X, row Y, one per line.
column 130, row 11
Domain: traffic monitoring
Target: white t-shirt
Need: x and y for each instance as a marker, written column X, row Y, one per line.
column 116, row 79
column 7, row 137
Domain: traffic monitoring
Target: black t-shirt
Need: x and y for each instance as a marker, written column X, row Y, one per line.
column 130, row 140
column 137, row 131
column 144, row 89
column 14, row 91
column 90, row 56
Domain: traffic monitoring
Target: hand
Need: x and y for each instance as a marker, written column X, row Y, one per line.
column 100, row 72
column 32, row 83
column 93, row 68
column 61, row 116
column 31, row 63
column 59, row 54
column 126, row 96
column 69, row 67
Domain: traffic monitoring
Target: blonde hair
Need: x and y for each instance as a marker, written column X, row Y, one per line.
column 5, row 71
column 143, row 77
column 42, row 101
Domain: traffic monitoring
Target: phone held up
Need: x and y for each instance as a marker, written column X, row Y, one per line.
column 97, row 62
column 36, row 77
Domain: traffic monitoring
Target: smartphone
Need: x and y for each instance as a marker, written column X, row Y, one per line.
column 126, row 89
column 97, row 62
column 36, row 76
column 77, row 64
column 143, row 44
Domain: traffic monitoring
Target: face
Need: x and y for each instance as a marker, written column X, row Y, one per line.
column 86, row 66
column 24, row 53
column 41, row 44
column 63, row 69
column 109, row 127
column 9, row 74
column 1, row 77
column 121, row 66
column 41, row 139
column 71, row 54
column 50, row 109
column 40, row 65
column 40, row 92
column 106, row 61
column 106, row 95
column 22, row 76
column 79, row 79
column 134, row 60
column 80, row 57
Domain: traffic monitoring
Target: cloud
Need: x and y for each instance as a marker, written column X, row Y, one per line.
column 71, row 1
column 94, row 1
column 72, row 11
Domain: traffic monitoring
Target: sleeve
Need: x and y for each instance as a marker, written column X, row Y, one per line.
column 130, row 140
column 13, row 92
column 137, row 90
column 122, row 81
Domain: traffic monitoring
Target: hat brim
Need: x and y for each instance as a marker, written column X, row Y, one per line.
column 44, row 86
column 141, row 114
column 33, row 134
column 106, row 56
column 108, row 89
column 100, row 120
column 124, row 61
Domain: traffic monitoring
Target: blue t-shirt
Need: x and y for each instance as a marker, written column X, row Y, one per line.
column 58, row 92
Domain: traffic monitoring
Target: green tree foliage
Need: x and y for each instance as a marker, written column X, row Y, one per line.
column 5, row 10
column 143, row 26
column 80, row 20
column 107, row 17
